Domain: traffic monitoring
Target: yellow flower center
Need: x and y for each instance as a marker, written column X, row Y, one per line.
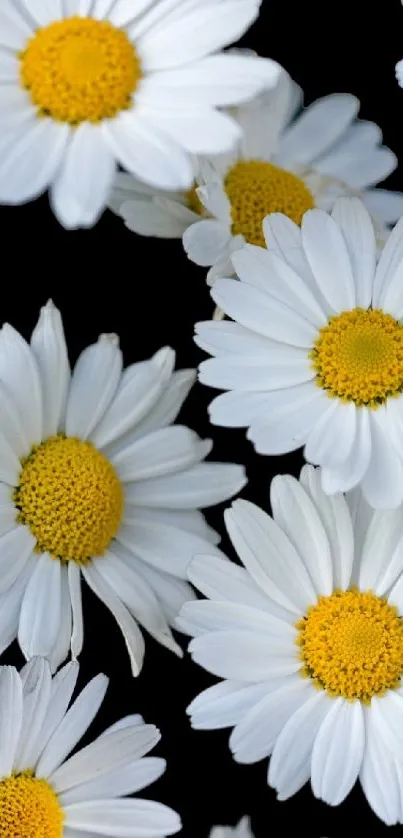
column 29, row 808
column 358, row 357
column 79, row 70
column 71, row 499
column 255, row 189
column 352, row 645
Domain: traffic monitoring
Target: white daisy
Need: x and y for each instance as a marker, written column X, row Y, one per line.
column 308, row 636
column 88, row 84
column 289, row 164
column 241, row 830
column 95, row 483
column 44, row 794
column 315, row 357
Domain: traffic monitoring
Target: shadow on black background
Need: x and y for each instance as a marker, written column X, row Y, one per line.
column 107, row 279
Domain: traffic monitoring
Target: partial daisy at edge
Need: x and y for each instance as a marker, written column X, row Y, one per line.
column 306, row 638
column 289, row 160
column 97, row 483
column 313, row 354
column 241, row 830
column 44, row 791
column 112, row 83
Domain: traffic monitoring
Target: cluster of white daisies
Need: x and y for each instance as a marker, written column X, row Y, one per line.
column 98, row 482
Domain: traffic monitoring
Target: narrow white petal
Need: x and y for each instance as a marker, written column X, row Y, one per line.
column 379, row 778
column 296, row 514
column 242, row 656
column 19, row 372
column 49, row 347
column 16, row 548
column 72, row 725
column 164, row 547
column 74, row 582
column 318, row 127
column 128, row 626
column 44, row 11
column 36, row 682
column 225, row 704
column 383, row 538
column 117, row 782
column 123, row 818
column 62, row 688
column 10, row 717
column 30, row 163
column 14, row 28
column 161, row 452
column 204, row 616
column 269, row 556
column 338, row 751
column 356, row 226
column 388, row 279
column 286, row 367
column 350, row 473
column 41, row 608
column 382, row 484
column 10, row 606
column 332, row 437
column 61, row 649
column 93, row 385
column 198, row 129
column 198, row 487
column 172, row 593
column 384, row 204
column 287, row 419
column 327, row 254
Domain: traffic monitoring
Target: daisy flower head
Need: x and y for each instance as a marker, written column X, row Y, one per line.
column 308, row 639
column 315, row 355
column 289, row 161
column 96, row 482
column 43, row 791
column 90, row 84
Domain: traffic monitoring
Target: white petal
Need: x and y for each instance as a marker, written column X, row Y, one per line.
column 356, row 226
column 44, row 11
column 113, row 750
column 286, row 367
column 338, row 751
column 283, row 237
column 224, row 704
column 62, row 688
column 41, row 608
column 31, row 162
column 36, row 682
column 348, row 474
column 148, row 218
column 388, row 278
column 364, row 167
column 10, row 606
column 262, row 313
column 172, row 593
column 382, row 541
column 295, row 513
column 198, row 487
column 15, row 439
column 288, row 418
column 327, row 254
column 384, row 204
column 238, row 410
column 223, row 337
column 269, row 556
column 207, row 241
column 383, row 482
column 81, row 189
column 62, row 647
column 8, row 512
column 290, row 764
column 16, row 548
column 242, row 656
column 203, row 616
column 164, row 547
column 136, row 594
column 189, row 520
column 336, row 519
column 175, row 44
column 198, row 129
column 319, row 127
column 10, row 717
column 331, row 439
column 14, row 29
column 254, row 737
column 117, row 782
column 379, row 777
column 74, row 583
column 72, row 725
column 162, row 452
column 19, row 372
column 386, row 715
column 49, row 347
column 93, row 386
column 128, row 626
column 148, row 153
column 123, row 818
column 224, row 581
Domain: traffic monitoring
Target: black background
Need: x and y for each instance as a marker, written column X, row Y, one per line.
column 108, row 280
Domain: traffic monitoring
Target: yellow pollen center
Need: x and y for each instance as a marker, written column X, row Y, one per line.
column 255, row 189
column 358, row 357
column 29, row 808
column 71, row 499
column 352, row 645
column 79, row 70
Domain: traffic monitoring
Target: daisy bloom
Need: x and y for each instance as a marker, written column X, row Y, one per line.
column 289, row 163
column 95, row 483
column 315, row 357
column 241, row 830
column 44, row 794
column 89, row 84
column 308, row 636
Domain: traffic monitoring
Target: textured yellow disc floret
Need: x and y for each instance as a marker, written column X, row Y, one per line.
column 70, row 497
column 352, row 645
column 79, row 70
column 255, row 189
column 358, row 357
column 29, row 808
